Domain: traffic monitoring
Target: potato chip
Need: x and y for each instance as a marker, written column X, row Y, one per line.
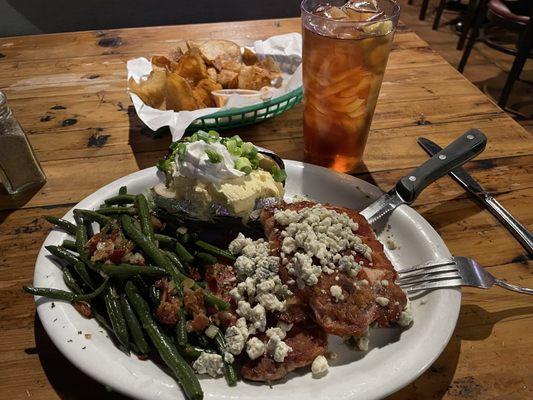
column 175, row 54
column 212, row 49
column 226, row 63
column 202, row 92
column 163, row 62
column 152, row 90
column 249, row 57
column 253, row 77
column 228, row 79
column 179, row 93
column 192, row 67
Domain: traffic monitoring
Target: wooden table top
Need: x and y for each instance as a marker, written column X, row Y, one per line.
column 69, row 93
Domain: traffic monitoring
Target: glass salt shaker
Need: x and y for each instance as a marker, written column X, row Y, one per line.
column 19, row 168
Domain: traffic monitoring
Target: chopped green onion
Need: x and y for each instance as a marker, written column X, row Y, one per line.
column 181, row 149
column 214, row 156
column 249, row 150
column 214, row 134
column 278, row 174
column 237, row 139
column 164, row 164
column 233, row 148
column 243, row 164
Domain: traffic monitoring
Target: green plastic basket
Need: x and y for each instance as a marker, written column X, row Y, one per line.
column 237, row 117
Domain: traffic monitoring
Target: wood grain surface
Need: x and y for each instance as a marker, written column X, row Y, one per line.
column 69, row 93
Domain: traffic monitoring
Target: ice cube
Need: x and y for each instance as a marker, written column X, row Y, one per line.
column 330, row 12
column 362, row 10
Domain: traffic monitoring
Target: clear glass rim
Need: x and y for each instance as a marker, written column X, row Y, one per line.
column 394, row 15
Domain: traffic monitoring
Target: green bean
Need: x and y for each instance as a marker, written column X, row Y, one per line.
column 229, row 371
column 205, row 258
column 216, row 251
column 123, row 190
column 92, row 216
column 80, row 269
column 175, row 260
column 161, row 260
column 217, row 302
column 63, row 254
column 134, row 326
column 164, row 239
column 153, row 253
column 128, row 270
column 118, row 322
column 64, row 295
column 69, row 245
column 67, row 226
column 185, row 257
column 81, row 241
column 117, row 210
column 120, row 199
column 81, row 234
column 144, row 216
column 181, row 328
column 166, row 349
column 71, row 282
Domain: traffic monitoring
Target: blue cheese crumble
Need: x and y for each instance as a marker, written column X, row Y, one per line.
column 209, row 363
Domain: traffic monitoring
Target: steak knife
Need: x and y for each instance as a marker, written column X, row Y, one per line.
column 520, row 232
column 462, row 149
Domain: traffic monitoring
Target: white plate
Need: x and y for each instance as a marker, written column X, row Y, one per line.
column 395, row 357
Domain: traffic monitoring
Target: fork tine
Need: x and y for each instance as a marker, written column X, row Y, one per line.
column 435, row 285
column 411, row 274
column 429, row 264
column 428, row 278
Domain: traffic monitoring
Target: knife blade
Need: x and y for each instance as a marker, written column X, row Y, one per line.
column 459, row 174
column 409, row 187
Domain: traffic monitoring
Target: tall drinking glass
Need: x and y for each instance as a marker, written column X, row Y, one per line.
column 345, row 50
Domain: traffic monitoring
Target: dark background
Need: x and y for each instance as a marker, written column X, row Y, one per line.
column 23, row 17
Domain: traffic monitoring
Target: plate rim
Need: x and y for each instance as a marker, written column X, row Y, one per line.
column 95, row 373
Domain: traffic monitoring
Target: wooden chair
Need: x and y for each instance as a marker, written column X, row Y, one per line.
column 499, row 14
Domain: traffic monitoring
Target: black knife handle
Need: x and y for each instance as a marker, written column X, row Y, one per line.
column 462, row 149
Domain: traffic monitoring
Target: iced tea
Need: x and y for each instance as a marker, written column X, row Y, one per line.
column 345, row 51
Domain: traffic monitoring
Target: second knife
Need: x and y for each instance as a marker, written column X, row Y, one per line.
column 520, row 232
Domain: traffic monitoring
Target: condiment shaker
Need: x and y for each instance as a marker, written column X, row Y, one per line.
column 19, row 168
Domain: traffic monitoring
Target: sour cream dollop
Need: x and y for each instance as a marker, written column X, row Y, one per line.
column 195, row 163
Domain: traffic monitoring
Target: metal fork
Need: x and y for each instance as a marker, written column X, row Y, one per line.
column 457, row 271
